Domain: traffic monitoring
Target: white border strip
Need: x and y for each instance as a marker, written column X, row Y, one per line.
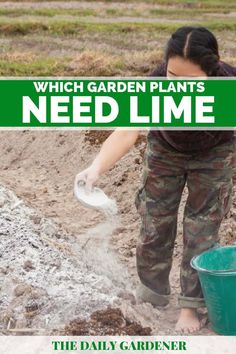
column 193, row 344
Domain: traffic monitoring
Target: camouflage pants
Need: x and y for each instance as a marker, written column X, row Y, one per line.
column 208, row 176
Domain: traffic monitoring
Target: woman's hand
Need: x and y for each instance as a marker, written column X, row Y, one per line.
column 89, row 176
column 114, row 147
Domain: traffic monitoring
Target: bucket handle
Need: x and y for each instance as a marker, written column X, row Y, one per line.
column 225, row 271
column 217, row 245
column 220, row 271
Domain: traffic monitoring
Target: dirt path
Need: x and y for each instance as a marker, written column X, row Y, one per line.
column 82, row 4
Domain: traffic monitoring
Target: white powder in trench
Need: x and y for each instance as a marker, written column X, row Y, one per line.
column 67, row 277
column 98, row 251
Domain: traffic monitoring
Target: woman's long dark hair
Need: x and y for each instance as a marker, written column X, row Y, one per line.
column 198, row 45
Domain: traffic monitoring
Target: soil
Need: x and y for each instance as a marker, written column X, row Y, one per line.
column 106, row 322
column 48, row 277
column 62, row 264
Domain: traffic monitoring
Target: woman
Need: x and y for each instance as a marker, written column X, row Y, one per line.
column 202, row 160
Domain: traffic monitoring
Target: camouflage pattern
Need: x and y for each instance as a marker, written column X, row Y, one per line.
column 208, row 176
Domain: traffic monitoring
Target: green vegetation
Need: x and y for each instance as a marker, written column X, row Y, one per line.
column 47, row 12
column 88, row 63
column 113, row 39
column 66, row 27
column 39, row 67
column 172, row 12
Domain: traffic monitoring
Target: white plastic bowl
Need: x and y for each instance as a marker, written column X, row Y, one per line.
column 93, row 199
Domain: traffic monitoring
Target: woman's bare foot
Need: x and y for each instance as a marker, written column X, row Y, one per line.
column 188, row 321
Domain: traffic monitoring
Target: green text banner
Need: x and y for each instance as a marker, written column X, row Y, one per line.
column 114, row 102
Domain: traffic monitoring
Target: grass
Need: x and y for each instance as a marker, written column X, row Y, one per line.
column 180, row 13
column 54, row 41
column 66, row 27
column 47, row 12
column 87, row 63
column 110, row 13
column 37, row 67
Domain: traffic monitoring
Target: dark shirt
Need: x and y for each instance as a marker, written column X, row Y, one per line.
column 191, row 141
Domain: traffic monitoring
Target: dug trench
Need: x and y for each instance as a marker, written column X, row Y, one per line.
column 66, row 269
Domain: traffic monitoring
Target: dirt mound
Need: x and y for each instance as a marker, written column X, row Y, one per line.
column 106, row 322
column 44, row 277
column 47, row 277
column 96, row 137
column 40, row 169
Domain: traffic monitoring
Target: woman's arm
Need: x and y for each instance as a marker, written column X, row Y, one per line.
column 113, row 148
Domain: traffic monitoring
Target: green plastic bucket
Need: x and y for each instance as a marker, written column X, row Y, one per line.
column 217, row 273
